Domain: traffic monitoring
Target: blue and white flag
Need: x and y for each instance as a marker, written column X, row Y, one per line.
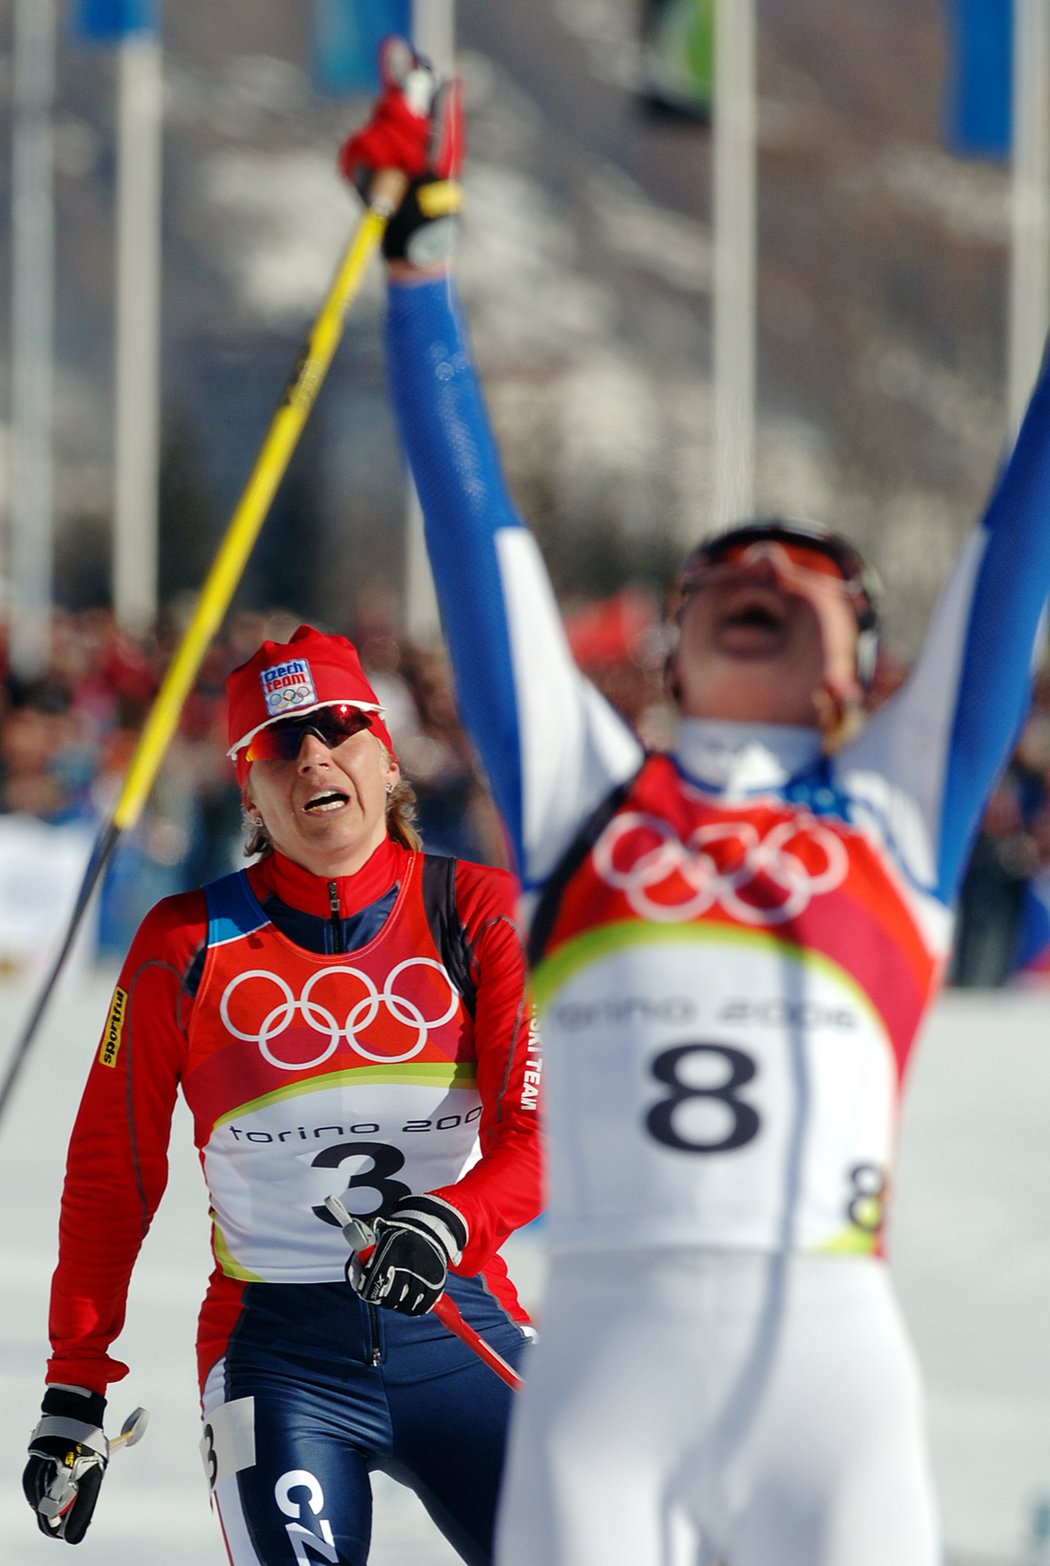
column 346, row 39
column 108, row 21
column 979, row 102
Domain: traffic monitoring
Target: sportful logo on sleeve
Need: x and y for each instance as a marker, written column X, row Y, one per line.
column 110, row 1049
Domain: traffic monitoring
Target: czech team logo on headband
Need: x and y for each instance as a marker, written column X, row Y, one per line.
column 287, row 686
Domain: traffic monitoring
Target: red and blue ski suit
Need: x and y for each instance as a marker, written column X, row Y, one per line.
column 367, row 1036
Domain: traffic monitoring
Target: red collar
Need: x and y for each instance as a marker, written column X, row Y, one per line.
column 278, row 875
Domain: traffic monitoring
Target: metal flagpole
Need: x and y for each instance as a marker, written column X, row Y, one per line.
column 29, row 566
column 137, row 457
column 433, row 35
column 734, row 198
column 1029, row 287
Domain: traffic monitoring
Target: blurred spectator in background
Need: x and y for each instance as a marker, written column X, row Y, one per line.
column 45, row 768
column 1003, row 930
column 381, row 644
column 990, row 901
column 1029, row 946
column 621, row 644
column 455, row 814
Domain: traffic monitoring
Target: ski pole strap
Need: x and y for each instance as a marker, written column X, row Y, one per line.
column 72, row 1430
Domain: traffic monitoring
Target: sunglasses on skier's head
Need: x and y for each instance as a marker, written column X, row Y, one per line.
column 800, row 551
column 332, row 725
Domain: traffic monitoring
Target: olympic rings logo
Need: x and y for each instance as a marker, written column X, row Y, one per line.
column 360, row 1015
column 719, row 863
column 291, row 696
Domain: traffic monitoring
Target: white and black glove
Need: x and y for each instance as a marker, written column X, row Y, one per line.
column 68, row 1454
column 406, row 1268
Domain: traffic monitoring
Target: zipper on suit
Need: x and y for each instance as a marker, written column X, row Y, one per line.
column 339, row 945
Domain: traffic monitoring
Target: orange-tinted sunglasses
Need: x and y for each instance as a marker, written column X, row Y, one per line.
column 332, row 725
column 802, row 556
column 833, row 561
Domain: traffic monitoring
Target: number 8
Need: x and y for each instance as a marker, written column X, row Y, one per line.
column 741, row 1069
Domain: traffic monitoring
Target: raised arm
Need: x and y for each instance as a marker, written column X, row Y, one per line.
column 551, row 745
column 949, row 732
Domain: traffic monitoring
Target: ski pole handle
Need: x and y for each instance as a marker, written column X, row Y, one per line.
column 356, row 1232
column 360, row 1238
column 132, row 1430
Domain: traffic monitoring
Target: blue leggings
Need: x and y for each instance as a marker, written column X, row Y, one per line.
column 317, row 1390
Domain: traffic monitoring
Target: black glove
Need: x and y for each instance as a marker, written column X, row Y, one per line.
column 416, row 127
column 406, row 1268
column 68, row 1454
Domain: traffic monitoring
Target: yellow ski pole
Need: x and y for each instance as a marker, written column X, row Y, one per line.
column 224, row 575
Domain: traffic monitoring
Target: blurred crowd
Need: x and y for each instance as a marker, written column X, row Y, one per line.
column 66, row 738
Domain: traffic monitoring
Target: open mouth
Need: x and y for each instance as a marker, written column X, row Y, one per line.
column 754, row 624
column 757, row 616
column 331, row 799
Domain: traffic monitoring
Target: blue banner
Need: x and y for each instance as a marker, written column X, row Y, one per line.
column 108, row 21
column 346, row 39
column 979, row 101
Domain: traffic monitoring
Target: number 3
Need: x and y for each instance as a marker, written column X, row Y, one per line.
column 384, row 1161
